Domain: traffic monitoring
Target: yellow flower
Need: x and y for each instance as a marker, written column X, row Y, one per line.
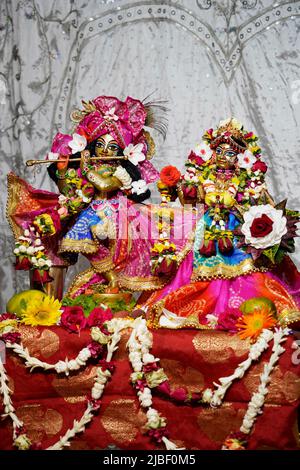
column 254, row 149
column 252, row 324
column 8, row 325
column 44, row 312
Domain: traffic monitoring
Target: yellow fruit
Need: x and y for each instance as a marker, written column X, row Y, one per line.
column 18, row 303
column 249, row 306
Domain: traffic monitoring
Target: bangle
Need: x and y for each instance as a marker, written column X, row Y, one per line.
column 60, row 176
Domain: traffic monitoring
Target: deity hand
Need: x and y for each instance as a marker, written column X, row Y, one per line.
column 85, row 161
column 61, row 171
column 62, row 166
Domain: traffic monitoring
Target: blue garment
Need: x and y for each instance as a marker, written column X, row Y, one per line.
column 235, row 257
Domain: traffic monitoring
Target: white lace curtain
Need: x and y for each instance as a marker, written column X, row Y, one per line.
column 208, row 59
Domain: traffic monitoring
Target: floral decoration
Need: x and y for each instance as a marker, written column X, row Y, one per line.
column 147, row 375
column 31, row 254
column 264, row 226
column 78, row 143
column 45, row 311
column 252, row 324
column 134, row 153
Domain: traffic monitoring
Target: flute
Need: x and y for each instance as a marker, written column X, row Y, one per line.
column 38, row 162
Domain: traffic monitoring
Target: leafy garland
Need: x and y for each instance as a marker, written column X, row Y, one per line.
column 147, row 375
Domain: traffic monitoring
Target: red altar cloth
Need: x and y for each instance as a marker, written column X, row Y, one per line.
column 48, row 404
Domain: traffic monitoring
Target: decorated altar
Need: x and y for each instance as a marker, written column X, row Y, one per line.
column 48, row 402
column 181, row 334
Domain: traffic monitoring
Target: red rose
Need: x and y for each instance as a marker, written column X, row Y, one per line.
column 22, row 264
column 169, row 175
column 225, row 245
column 261, row 226
column 208, row 248
column 98, row 316
column 73, row 319
column 259, row 165
column 195, row 159
column 190, row 192
column 166, row 268
column 227, row 321
column 41, row 276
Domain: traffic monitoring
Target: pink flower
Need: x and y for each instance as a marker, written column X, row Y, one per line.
column 190, row 192
column 259, row 165
column 61, row 144
column 8, row 316
column 98, row 316
column 95, row 404
column 63, row 212
column 249, row 135
column 179, row 394
column 73, row 319
column 11, row 337
column 158, row 434
column 151, row 366
column 95, row 349
column 107, row 365
column 164, row 387
column 140, row 385
column 198, row 160
column 227, row 321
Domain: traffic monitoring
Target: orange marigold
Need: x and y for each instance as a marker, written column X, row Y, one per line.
column 251, row 325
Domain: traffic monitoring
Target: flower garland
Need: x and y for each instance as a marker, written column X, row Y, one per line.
column 30, row 252
column 238, row 441
column 139, row 345
column 146, row 375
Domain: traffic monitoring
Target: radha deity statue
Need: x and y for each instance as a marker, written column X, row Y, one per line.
column 102, row 169
column 237, row 259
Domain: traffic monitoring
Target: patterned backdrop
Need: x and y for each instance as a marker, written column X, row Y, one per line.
column 208, row 59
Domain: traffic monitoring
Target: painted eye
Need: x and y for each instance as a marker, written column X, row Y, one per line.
column 100, row 144
column 218, row 151
column 114, row 148
column 230, row 154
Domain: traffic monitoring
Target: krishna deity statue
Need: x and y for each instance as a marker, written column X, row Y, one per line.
column 101, row 170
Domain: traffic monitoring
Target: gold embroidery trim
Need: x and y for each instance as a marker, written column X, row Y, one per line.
column 12, row 189
column 192, row 321
column 141, row 283
column 79, row 280
column 85, row 246
column 223, row 271
column 287, row 317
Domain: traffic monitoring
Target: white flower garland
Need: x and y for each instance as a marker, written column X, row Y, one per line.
column 258, row 399
column 255, row 352
column 139, row 345
column 99, row 384
column 60, row 367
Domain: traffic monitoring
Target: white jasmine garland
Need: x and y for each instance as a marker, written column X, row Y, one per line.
column 139, row 346
column 257, row 401
column 60, row 367
column 255, row 352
